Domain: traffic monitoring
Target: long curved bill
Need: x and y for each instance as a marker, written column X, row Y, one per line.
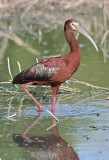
column 79, row 29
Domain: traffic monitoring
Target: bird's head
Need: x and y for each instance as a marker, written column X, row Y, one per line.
column 72, row 25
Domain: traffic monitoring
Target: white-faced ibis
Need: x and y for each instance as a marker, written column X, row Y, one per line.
column 54, row 71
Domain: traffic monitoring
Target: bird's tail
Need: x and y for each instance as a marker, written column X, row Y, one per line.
column 20, row 79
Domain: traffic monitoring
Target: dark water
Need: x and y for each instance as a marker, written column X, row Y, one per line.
column 83, row 128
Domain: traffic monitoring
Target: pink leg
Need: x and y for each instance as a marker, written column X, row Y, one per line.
column 53, row 102
column 55, row 91
column 37, row 103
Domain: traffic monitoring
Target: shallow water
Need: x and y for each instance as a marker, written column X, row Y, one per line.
column 83, row 127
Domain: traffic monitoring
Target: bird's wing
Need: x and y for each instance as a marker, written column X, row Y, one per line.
column 38, row 72
column 43, row 72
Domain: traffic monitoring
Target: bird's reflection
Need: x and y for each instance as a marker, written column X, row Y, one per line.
column 48, row 147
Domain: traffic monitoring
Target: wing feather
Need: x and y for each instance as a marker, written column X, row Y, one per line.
column 42, row 71
column 38, row 72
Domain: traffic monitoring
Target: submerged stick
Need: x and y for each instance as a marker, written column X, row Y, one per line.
column 53, row 117
column 88, row 84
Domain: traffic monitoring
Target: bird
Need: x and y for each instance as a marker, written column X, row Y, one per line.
column 55, row 70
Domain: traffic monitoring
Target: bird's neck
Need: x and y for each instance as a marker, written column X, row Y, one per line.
column 74, row 46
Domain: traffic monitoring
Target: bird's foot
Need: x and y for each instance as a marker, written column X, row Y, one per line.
column 40, row 109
